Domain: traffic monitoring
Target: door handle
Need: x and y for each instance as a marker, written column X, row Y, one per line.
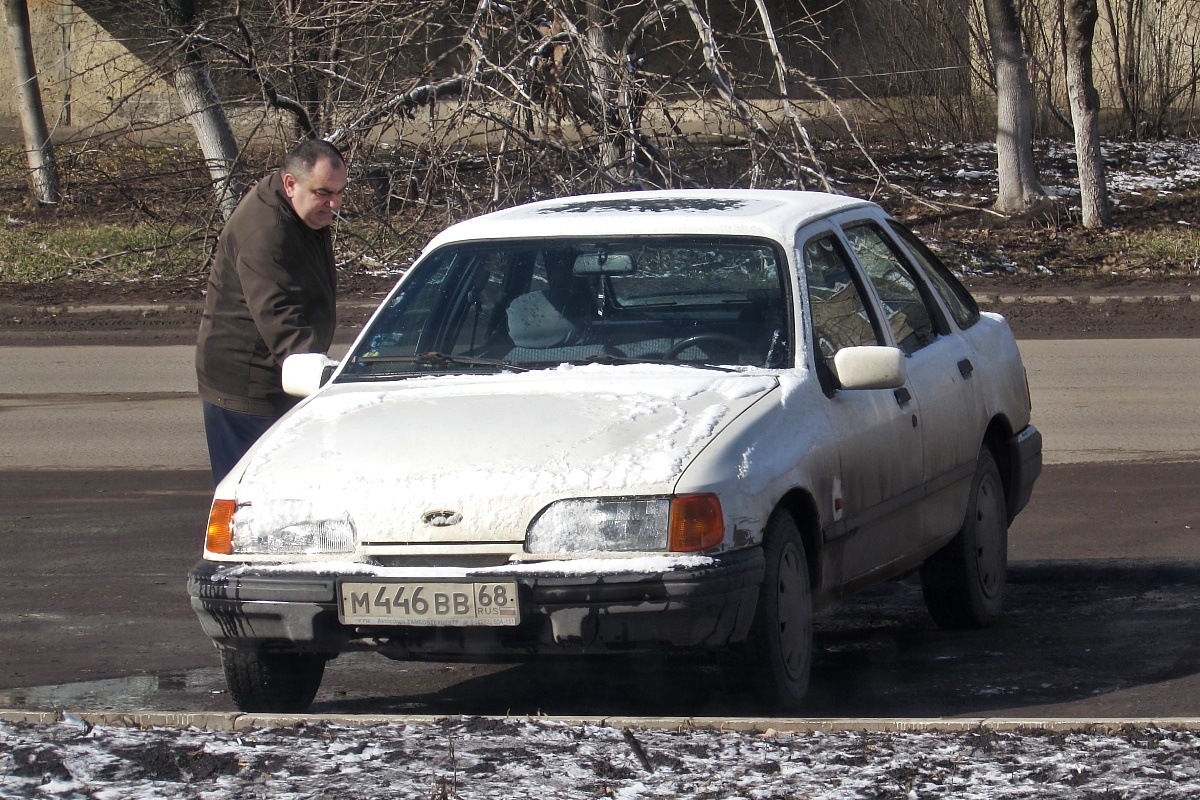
column 965, row 367
column 903, row 398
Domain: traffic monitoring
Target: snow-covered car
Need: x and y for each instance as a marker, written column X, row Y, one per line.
column 677, row 420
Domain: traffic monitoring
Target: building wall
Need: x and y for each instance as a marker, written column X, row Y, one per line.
column 83, row 72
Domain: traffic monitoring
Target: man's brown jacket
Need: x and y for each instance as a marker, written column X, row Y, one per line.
column 271, row 293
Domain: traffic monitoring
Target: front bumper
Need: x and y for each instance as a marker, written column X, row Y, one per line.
column 704, row 606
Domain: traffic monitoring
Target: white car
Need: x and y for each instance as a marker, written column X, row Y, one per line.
column 638, row 421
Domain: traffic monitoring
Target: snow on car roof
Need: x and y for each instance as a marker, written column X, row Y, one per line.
column 771, row 213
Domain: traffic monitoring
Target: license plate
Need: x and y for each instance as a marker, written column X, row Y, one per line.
column 462, row 604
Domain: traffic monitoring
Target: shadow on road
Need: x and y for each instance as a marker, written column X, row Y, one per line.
column 1104, row 639
column 1078, row 639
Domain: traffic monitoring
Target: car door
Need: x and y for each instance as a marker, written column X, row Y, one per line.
column 939, row 369
column 879, row 449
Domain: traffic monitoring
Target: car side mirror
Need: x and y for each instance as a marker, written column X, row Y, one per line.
column 305, row 373
column 870, row 367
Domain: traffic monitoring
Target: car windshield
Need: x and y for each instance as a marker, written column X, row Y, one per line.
column 531, row 304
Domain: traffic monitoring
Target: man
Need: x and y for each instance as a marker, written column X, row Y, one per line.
column 271, row 293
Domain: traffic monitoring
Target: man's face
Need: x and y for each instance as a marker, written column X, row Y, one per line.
column 316, row 196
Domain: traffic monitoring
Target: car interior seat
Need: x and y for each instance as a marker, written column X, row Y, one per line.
column 533, row 321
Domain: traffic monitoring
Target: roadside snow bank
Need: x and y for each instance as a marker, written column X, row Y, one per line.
column 489, row 758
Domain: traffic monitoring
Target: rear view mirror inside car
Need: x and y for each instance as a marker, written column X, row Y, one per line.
column 604, row 263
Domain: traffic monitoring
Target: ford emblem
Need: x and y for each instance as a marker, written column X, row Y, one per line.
column 442, row 519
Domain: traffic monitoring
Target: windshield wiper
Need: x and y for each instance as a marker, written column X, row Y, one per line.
column 435, row 359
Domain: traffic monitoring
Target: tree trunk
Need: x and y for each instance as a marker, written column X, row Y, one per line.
column 600, row 66
column 1019, row 184
column 43, row 169
column 204, row 111
column 1085, row 112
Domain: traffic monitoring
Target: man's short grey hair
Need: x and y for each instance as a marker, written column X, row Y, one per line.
column 305, row 156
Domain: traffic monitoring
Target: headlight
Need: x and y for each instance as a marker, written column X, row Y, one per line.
column 656, row 524
column 234, row 530
column 581, row 526
column 299, row 538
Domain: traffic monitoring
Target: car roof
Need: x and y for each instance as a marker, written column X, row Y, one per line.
column 771, row 213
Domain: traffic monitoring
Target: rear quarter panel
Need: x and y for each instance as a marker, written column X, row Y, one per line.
column 1003, row 389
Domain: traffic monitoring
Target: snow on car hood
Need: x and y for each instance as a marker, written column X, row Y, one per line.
column 490, row 451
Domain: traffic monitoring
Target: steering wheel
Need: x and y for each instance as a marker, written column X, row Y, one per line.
column 719, row 338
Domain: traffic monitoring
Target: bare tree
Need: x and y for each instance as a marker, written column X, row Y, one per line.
column 596, row 87
column 601, row 61
column 39, row 152
column 451, row 107
column 1156, row 54
column 1080, row 19
column 1019, row 183
column 203, row 106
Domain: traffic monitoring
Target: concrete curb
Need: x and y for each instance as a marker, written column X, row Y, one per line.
column 1085, row 300
column 235, row 721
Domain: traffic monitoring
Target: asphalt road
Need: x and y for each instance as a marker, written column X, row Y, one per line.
column 134, row 407
column 1102, row 614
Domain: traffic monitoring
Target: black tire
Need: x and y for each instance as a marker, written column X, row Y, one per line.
column 279, row 683
column 964, row 582
column 778, row 654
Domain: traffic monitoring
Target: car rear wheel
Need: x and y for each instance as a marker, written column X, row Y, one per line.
column 964, row 582
column 778, row 655
column 281, row 683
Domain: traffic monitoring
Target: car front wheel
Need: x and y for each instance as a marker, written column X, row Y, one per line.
column 279, row 683
column 777, row 657
column 964, row 582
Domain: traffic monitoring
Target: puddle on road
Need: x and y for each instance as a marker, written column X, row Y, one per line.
column 198, row 689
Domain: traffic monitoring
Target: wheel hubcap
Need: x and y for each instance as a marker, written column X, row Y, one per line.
column 989, row 536
column 794, row 617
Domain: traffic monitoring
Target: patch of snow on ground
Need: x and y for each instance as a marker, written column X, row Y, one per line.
column 486, row 758
column 1161, row 167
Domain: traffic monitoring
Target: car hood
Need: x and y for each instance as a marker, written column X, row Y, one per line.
column 398, row 460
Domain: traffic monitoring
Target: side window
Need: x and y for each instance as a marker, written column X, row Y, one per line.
column 956, row 297
column 839, row 316
column 908, row 314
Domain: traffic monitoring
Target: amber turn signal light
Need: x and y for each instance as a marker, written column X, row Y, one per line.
column 696, row 523
column 220, row 528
